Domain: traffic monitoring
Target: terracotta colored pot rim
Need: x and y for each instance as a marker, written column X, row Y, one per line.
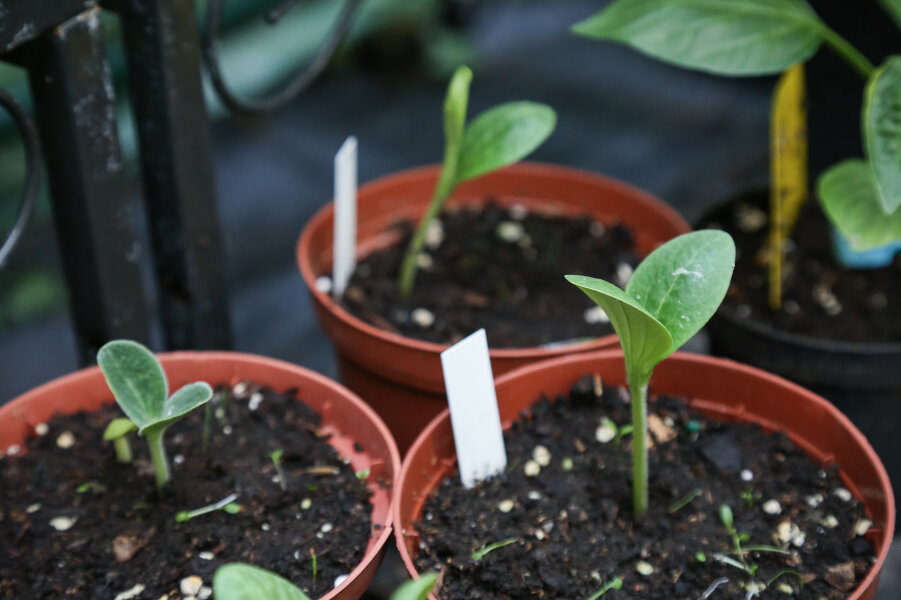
column 425, row 439
column 304, row 252
column 237, row 358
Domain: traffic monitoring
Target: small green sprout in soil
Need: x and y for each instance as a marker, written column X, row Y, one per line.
column 498, row 137
column 671, row 295
column 862, row 197
column 315, row 564
column 700, row 557
column 685, row 500
column 226, row 505
column 615, row 584
column 239, row 581
column 484, row 550
column 362, row 475
column 139, row 385
column 738, row 539
column 117, row 432
column 276, row 457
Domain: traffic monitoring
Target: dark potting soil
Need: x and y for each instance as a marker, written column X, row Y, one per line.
column 499, row 269
column 572, row 526
column 821, row 298
column 74, row 523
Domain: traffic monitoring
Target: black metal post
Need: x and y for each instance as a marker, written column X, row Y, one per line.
column 163, row 52
column 75, row 108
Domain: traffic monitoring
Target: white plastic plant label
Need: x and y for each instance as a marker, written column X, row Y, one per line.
column 476, row 421
column 345, row 236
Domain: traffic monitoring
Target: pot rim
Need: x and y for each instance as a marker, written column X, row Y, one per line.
column 440, row 420
column 376, row 544
column 305, row 242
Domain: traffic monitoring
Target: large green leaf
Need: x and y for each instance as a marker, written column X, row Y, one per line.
column 893, row 8
column 726, row 37
column 136, row 379
column 237, row 581
column 848, row 194
column 503, row 135
column 417, row 589
column 644, row 339
column 882, row 131
column 683, row 282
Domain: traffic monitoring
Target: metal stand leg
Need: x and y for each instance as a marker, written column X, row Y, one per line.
column 163, row 53
column 74, row 103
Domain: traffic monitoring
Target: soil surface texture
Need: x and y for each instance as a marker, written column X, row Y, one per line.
column 821, row 298
column 74, row 523
column 564, row 506
column 501, row 269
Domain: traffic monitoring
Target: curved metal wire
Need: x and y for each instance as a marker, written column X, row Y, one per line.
column 32, row 173
column 296, row 84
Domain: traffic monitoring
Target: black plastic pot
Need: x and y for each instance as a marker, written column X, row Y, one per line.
column 820, row 364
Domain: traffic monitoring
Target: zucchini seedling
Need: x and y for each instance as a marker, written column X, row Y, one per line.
column 238, row 581
column 498, row 137
column 139, row 385
column 671, row 295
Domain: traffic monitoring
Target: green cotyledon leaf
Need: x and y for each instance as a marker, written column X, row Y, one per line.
column 417, row 589
column 139, row 385
column 644, row 339
column 238, row 581
column 683, row 282
column 503, row 135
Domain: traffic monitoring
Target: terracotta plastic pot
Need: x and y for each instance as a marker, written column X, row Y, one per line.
column 400, row 376
column 347, row 418
column 720, row 388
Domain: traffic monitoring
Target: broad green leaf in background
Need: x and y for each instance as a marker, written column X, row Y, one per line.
column 848, row 194
column 893, row 8
column 417, row 589
column 503, row 135
column 644, row 339
column 882, row 131
column 238, row 581
column 725, row 37
column 683, row 282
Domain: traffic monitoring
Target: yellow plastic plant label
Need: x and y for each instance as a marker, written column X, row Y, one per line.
column 788, row 169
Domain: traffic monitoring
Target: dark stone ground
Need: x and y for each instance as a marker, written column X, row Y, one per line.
column 690, row 139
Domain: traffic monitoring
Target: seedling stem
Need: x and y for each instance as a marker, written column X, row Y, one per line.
column 615, row 584
column 226, row 504
column 481, row 552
